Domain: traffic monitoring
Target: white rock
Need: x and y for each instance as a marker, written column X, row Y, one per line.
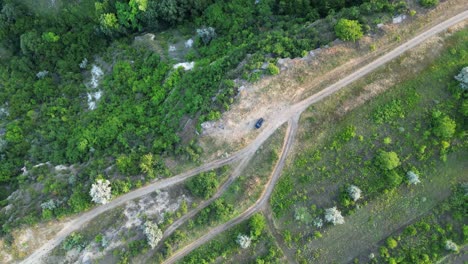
column 189, row 43
column 186, row 65
column 398, row 19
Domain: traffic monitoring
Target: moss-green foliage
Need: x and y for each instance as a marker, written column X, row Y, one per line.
column 387, row 112
column 347, row 29
column 424, row 241
column 273, row 69
column 280, row 200
column 444, row 126
column 387, row 160
column 74, row 240
column 203, row 185
column 257, row 224
column 429, row 3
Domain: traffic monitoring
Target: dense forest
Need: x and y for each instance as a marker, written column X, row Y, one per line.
column 55, row 54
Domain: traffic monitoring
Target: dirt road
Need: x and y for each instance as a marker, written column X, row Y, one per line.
column 267, row 130
column 258, row 205
column 204, row 204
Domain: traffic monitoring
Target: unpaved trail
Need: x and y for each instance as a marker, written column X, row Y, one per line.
column 267, row 130
column 288, row 253
column 258, row 205
column 204, row 204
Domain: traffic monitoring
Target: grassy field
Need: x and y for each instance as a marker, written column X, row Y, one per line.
column 339, row 147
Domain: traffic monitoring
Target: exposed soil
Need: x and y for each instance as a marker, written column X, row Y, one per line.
column 301, row 77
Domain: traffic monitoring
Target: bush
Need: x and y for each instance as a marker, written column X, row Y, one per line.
column 443, row 126
column 387, row 112
column 74, row 240
column 257, row 225
column 273, row 69
column 348, row 30
column 391, row 243
column 429, row 3
column 204, row 185
column 387, row 160
column 393, row 179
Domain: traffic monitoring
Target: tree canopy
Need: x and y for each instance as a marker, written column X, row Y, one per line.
column 348, row 30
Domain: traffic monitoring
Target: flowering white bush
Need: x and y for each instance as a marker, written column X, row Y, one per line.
column 354, row 192
column 41, row 74
column 243, row 240
column 100, row 192
column 153, row 233
column 332, row 215
column 462, row 77
column 49, row 205
column 450, row 245
column 84, row 63
column 206, row 34
column 318, row 222
column 413, row 178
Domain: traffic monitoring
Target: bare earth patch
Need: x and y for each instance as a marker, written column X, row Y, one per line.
column 301, row 77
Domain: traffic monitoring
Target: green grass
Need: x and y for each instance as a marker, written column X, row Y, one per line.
column 424, row 240
column 337, row 150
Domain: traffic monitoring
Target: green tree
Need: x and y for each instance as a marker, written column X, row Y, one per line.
column 204, row 185
column 348, row 30
column 147, row 165
column 391, row 243
column 108, row 22
column 273, row 69
column 443, row 126
column 464, row 107
column 257, row 224
column 462, row 77
column 50, row 37
column 429, row 3
column 387, row 160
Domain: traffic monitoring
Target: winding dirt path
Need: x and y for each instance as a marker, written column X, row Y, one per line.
column 169, row 230
column 267, row 130
column 288, row 253
column 257, row 206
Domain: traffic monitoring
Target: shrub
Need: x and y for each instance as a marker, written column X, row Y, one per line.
column 153, row 233
column 413, row 178
column 443, row 126
column 204, row 185
column 393, row 179
column 257, row 225
column 348, row 30
column 333, row 215
column 429, row 3
column 451, row 246
column 100, row 191
column 387, row 160
column 354, row 192
column 391, row 243
column 273, row 69
column 387, row 112
column 244, row 241
column 74, row 240
column 462, row 77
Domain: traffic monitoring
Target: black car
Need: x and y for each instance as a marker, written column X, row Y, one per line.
column 259, row 123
